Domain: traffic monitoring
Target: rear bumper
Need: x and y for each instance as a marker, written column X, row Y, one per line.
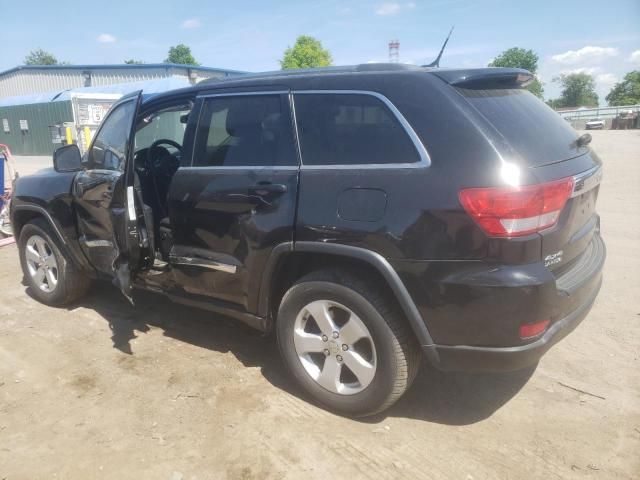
column 504, row 359
column 474, row 311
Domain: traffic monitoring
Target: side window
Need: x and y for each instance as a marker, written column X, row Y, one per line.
column 244, row 131
column 350, row 129
column 167, row 124
column 110, row 146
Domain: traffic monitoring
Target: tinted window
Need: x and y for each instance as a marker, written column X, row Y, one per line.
column 253, row 130
column 110, row 146
column 533, row 129
column 350, row 129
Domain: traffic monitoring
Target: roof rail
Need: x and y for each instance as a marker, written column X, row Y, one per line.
column 363, row 67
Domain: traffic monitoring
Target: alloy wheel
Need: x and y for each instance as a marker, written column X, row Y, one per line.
column 335, row 347
column 41, row 263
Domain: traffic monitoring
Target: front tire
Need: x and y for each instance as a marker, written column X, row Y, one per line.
column 346, row 343
column 48, row 272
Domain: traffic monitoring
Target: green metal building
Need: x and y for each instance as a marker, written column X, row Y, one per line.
column 40, row 110
column 26, row 129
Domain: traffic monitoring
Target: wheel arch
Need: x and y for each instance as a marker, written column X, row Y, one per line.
column 289, row 261
column 25, row 213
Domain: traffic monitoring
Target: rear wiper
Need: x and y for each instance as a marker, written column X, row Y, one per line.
column 583, row 140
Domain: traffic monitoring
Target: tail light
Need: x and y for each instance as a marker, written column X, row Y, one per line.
column 517, row 211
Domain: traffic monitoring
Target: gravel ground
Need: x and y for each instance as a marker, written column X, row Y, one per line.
column 105, row 390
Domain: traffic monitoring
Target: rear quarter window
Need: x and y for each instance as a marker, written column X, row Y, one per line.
column 350, row 129
column 539, row 134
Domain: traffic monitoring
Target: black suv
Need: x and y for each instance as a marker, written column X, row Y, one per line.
column 362, row 213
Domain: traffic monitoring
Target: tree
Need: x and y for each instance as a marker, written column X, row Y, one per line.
column 517, row 58
column 521, row 58
column 40, row 57
column 578, row 90
column 181, row 54
column 554, row 103
column 536, row 88
column 306, row 53
column 132, row 61
column 626, row 92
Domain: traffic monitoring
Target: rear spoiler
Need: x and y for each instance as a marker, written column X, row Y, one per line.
column 486, row 77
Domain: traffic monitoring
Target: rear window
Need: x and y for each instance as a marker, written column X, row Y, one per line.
column 350, row 129
column 539, row 134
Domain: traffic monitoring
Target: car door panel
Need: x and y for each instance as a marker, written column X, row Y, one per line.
column 110, row 224
column 227, row 216
column 93, row 193
column 226, row 220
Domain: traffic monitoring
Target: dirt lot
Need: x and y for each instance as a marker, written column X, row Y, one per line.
column 103, row 390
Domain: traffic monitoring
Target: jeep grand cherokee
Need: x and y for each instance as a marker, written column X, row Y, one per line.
column 364, row 214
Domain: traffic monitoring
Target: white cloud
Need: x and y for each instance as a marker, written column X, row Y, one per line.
column 585, row 54
column 106, row 38
column 606, row 80
column 391, row 8
column 589, row 70
column 634, row 57
column 191, row 23
column 388, row 9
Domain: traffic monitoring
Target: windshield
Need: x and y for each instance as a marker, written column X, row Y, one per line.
column 533, row 129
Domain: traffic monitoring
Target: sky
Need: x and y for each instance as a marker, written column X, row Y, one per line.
column 598, row 37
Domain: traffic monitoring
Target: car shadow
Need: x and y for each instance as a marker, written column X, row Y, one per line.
column 457, row 398
column 448, row 398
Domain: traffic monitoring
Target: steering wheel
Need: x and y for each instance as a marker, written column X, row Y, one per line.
column 166, row 141
column 154, row 148
column 160, row 161
column 162, row 166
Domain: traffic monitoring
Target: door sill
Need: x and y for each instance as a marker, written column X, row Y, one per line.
column 225, row 308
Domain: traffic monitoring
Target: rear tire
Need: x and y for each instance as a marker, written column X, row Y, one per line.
column 49, row 273
column 360, row 357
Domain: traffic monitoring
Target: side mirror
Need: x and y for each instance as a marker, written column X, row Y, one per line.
column 67, row 159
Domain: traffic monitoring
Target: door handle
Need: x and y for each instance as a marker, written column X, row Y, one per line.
column 268, row 188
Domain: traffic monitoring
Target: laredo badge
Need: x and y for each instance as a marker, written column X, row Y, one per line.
column 553, row 258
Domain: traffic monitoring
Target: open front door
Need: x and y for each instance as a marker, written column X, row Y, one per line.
column 110, row 216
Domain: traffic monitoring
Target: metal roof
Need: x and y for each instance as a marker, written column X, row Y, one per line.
column 119, row 66
column 148, row 87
